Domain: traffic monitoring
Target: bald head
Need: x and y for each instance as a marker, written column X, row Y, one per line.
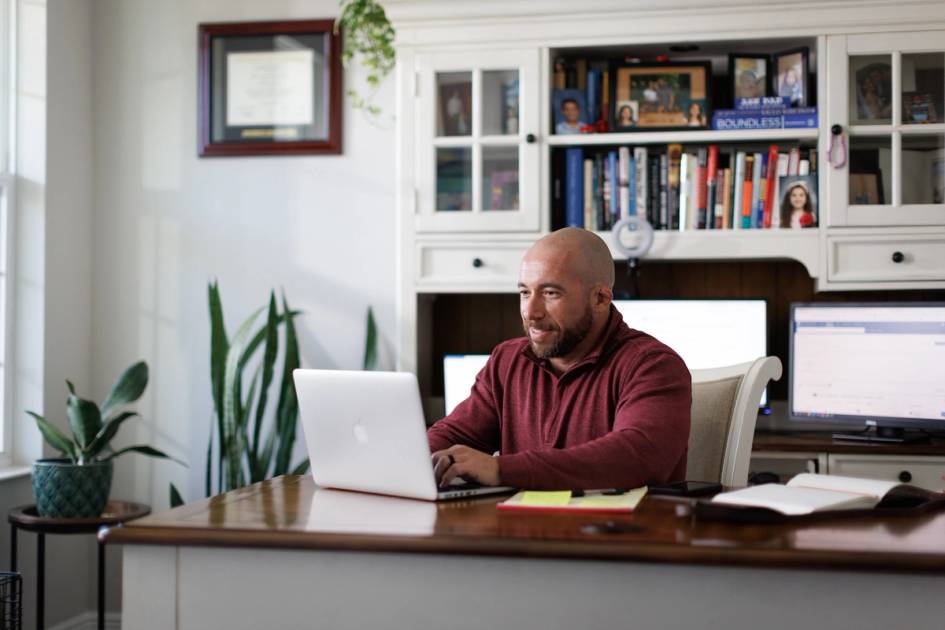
column 580, row 251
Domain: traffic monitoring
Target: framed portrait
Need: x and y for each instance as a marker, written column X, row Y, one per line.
column 269, row 88
column 798, row 204
column 790, row 76
column 454, row 95
column 660, row 96
column 870, row 91
column 570, row 111
column 748, row 75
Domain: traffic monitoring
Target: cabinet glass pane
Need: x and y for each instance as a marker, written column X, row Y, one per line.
column 923, row 169
column 923, row 88
column 870, row 90
column 870, row 171
column 500, row 113
column 500, row 178
column 453, row 103
column 454, row 179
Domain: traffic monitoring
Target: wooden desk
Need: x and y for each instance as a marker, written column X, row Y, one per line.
column 284, row 554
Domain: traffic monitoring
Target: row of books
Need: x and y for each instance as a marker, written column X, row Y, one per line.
column 676, row 189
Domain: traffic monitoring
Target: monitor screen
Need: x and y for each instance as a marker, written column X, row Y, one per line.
column 705, row 333
column 870, row 364
column 459, row 374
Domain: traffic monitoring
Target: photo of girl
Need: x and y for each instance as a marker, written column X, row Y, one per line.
column 798, row 201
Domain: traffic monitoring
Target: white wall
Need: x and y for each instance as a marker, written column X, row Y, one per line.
column 166, row 222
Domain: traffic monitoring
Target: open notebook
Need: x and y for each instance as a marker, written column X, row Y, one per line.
column 807, row 493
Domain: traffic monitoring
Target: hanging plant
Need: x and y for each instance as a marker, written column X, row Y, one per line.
column 369, row 38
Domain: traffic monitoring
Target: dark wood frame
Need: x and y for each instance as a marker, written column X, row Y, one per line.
column 731, row 71
column 705, row 66
column 333, row 106
column 805, row 72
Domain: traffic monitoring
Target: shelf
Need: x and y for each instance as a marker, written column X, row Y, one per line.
column 800, row 245
column 682, row 137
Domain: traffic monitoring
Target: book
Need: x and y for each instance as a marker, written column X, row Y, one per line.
column 588, row 208
column 738, row 185
column 808, row 492
column 640, row 180
column 574, row 187
column 747, row 190
column 701, row 188
column 711, row 176
column 770, row 184
column 762, row 102
column 674, row 153
column 605, row 501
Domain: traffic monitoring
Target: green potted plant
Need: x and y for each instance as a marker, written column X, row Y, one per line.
column 77, row 483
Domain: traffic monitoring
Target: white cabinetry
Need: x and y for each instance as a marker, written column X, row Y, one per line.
column 924, row 471
column 474, row 146
column 886, row 210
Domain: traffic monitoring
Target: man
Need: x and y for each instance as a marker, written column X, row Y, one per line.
column 572, row 122
column 583, row 401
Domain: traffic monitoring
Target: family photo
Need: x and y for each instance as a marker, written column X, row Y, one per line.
column 664, row 95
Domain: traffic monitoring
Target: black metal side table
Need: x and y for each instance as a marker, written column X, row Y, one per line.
column 26, row 518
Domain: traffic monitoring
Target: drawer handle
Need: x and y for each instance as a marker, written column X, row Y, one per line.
column 530, row 138
column 905, row 476
column 477, row 263
column 898, row 257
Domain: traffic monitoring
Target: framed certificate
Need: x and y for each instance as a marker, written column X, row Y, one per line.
column 269, row 88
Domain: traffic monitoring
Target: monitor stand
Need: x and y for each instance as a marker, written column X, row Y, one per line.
column 885, row 435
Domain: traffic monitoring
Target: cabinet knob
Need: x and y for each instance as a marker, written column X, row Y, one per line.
column 530, row 138
column 898, row 257
column 905, row 476
column 477, row 263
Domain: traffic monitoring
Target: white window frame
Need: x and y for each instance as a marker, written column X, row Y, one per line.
column 8, row 59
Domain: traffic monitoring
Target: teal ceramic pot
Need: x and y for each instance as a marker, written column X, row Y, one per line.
column 66, row 490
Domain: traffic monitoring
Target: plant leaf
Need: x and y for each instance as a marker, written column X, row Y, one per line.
column 128, row 388
column 301, row 468
column 370, row 342
column 268, row 367
column 144, row 450
column 232, row 380
column 71, row 387
column 85, row 420
column 219, row 346
column 56, row 438
column 176, row 499
column 287, row 410
column 209, row 474
column 104, row 437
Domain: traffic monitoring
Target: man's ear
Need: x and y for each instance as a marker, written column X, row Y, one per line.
column 603, row 296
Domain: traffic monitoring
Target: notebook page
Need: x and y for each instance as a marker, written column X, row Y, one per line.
column 872, row 487
column 794, row 500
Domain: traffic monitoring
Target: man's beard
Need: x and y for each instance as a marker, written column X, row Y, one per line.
column 568, row 338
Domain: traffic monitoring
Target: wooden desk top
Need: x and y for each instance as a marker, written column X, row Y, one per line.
column 291, row 512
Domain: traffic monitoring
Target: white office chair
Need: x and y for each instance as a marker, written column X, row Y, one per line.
column 724, row 410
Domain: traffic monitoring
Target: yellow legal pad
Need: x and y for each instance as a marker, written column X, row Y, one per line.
column 564, row 501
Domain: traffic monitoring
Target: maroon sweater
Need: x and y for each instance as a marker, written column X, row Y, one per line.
column 619, row 418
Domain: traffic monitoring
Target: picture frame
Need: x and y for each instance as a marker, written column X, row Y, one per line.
column 454, row 98
column 800, row 210
column 871, row 91
column 269, row 88
column 791, row 76
column 673, row 95
column 564, row 112
column 749, row 75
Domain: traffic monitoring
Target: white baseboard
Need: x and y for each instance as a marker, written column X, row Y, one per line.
column 89, row 621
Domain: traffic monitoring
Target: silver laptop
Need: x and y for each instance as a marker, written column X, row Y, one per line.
column 365, row 431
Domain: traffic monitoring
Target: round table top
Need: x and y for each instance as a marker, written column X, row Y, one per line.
column 26, row 517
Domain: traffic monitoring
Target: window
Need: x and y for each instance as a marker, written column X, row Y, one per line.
column 7, row 179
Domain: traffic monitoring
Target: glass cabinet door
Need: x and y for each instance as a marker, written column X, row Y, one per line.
column 887, row 91
column 477, row 151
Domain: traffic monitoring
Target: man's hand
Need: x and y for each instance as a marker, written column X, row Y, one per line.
column 467, row 462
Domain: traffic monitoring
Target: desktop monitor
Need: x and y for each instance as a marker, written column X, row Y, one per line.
column 705, row 333
column 459, row 374
column 869, row 365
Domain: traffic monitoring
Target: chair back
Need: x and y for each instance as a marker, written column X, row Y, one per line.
column 724, row 410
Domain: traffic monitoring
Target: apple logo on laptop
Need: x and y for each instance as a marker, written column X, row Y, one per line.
column 360, row 432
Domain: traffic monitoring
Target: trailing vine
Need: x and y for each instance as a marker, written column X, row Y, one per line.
column 369, row 38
